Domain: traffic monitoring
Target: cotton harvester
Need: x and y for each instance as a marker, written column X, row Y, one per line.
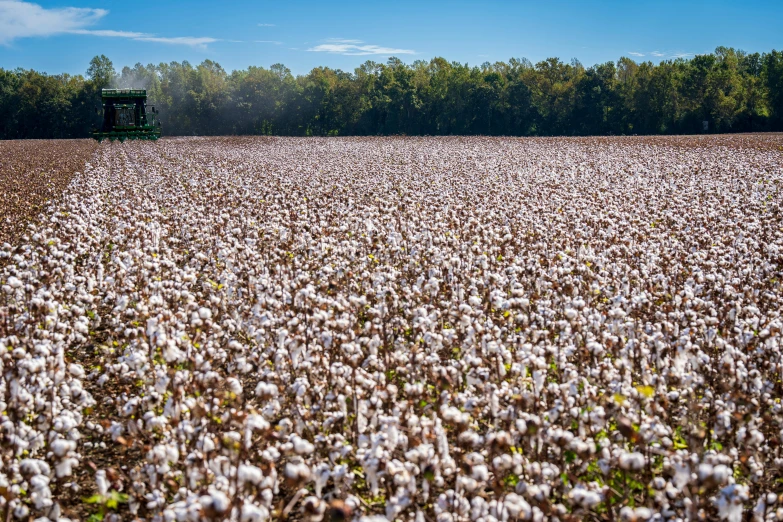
column 125, row 116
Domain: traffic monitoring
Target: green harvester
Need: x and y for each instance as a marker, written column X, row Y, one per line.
column 125, row 116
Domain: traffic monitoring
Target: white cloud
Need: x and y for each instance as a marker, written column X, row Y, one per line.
column 356, row 48
column 107, row 33
column 24, row 19
column 342, row 40
column 273, row 42
column 19, row 19
column 193, row 41
column 266, row 25
column 663, row 54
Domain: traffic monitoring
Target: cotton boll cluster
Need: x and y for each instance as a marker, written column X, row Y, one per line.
column 399, row 329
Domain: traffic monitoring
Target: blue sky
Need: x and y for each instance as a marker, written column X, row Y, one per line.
column 62, row 36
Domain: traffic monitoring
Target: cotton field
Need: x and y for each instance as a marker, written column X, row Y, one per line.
column 423, row 329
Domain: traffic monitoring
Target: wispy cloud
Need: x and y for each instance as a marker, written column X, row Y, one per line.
column 356, row 48
column 193, row 41
column 273, row 42
column 19, row 19
column 266, row 25
column 662, row 54
column 108, row 33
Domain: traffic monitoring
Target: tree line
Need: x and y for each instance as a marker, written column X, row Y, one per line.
column 733, row 91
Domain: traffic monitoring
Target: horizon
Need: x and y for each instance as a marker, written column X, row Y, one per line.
column 62, row 36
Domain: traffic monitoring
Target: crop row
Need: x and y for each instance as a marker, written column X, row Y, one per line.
column 399, row 329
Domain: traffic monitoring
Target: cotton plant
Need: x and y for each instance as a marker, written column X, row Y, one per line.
column 399, row 329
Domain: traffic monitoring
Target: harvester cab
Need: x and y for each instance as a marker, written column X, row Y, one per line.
column 125, row 116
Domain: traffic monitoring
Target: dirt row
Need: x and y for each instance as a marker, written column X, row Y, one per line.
column 33, row 173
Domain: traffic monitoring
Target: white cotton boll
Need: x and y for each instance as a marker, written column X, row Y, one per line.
column 61, row 447
column 234, row 386
column 249, row 473
column 517, row 507
column 172, row 453
column 631, row 461
column 302, row 446
column 76, row 370
column 161, row 338
column 704, row 471
column 450, row 413
column 595, row 348
column 570, row 314
column 682, row 474
column 208, row 444
column 219, row 501
column 253, row 513
column 39, row 482
column 584, row 497
column 539, row 377
column 101, row 482
column 322, row 474
column 266, row 390
column 521, row 426
column 171, row 353
column 270, row 454
column 721, row 473
column 204, row 313
column 467, row 483
column 64, row 468
column 42, row 499
column 480, row 473
column 32, row 467
column 756, row 438
column 297, row 471
column 21, row 512
column 730, row 502
column 130, row 407
column 257, row 422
